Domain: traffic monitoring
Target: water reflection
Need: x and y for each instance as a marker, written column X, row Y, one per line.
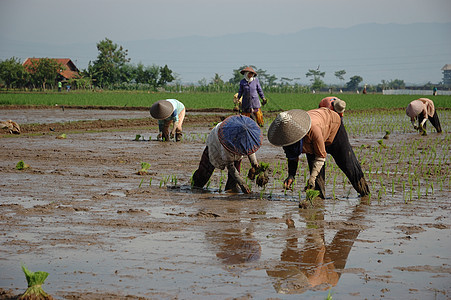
column 314, row 264
column 235, row 245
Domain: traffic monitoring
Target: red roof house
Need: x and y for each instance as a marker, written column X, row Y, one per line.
column 69, row 72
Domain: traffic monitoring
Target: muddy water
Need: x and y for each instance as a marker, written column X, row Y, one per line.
column 82, row 214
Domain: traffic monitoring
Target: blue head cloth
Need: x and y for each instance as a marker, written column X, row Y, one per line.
column 240, row 135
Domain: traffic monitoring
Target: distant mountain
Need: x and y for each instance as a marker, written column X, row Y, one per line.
column 414, row 53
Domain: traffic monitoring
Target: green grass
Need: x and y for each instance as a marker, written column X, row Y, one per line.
column 211, row 100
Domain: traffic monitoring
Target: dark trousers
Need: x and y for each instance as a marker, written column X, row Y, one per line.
column 205, row 170
column 434, row 121
column 344, row 156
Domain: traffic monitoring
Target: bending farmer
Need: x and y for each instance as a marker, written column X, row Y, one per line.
column 166, row 112
column 334, row 104
column 227, row 144
column 316, row 133
column 424, row 110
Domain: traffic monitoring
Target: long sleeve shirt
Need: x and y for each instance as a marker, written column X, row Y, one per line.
column 250, row 91
column 422, row 106
column 324, row 126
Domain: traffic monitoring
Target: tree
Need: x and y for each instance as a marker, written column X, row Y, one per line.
column 317, row 82
column 13, row 73
column 354, row 82
column 340, row 75
column 147, row 75
column 107, row 68
column 217, row 80
column 165, row 76
column 44, row 70
column 397, row 84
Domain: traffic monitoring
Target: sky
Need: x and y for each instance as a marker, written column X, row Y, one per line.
column 59, row 22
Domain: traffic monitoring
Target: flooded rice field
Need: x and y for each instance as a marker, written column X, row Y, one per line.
column 83, row 214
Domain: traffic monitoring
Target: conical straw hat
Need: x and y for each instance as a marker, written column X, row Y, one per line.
column 339, row 106
column 161, row 109
column 289, row 127
column 240, row 135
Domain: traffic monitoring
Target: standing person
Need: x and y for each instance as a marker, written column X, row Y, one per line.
column 434, row 91
column 334, row 104
column 228, row 142
column 424, row 110
column 250, row 89
column 316, row 133
column 60, row 85
column 166, row 112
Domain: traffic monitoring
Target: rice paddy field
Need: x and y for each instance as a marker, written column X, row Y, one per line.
column 82, row 213
column 212, row 100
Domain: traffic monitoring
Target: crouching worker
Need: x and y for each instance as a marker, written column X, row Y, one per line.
column 334, row 104
column 166, row 112
column 228, row 142
column 316, row 133
column 424, row 110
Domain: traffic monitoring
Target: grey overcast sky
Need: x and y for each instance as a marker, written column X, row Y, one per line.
column 59, row 21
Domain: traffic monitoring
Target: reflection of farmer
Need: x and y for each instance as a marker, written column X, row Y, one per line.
column 166, row 112
column 316, row 265
column 424, row 110
column 316, row 133
column 236, row 245
column 334, row 104
column 227, row 143
column 250, row 90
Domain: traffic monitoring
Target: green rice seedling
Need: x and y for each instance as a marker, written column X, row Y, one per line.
column 137, row 137
column 144, row 167
column 418, row 191
column 150, row 181
column 393, row 188
column 141, row 183
column 220, row 184
column 174, row 180
column 35, row 280
column 21, row 165
column 311, row 194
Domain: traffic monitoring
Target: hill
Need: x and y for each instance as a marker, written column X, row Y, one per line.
column 414, row 53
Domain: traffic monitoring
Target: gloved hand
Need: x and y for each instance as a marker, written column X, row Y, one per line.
column 251, row 173
column 310, row 184
column 287, row 183
column 244, row 188
column 264, row 101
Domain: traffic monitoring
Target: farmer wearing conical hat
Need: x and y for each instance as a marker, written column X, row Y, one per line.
column 250, row 90
column 166, row 112
column 334, row 104
column 316, row 132
column 423, row 109
column 228, row 142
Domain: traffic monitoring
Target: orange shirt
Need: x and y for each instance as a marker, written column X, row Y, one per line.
column 325, row 124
